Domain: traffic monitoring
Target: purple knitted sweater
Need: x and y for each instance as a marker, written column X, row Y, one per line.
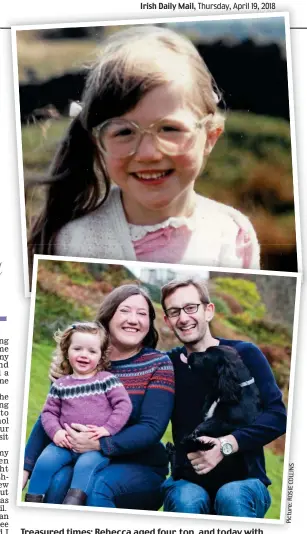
column 100, row 400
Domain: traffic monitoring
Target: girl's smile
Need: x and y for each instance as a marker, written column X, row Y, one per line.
column 84, row 353
column 154, row 177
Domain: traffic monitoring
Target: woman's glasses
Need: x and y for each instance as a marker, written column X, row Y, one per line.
column 189, row 309
column 121, row 138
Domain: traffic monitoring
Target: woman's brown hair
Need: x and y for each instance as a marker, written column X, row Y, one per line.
column 115, row 298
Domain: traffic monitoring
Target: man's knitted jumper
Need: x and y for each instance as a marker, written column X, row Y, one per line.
column 148, row 378
column 99, row 400
column 222, row 236
column 269, row 425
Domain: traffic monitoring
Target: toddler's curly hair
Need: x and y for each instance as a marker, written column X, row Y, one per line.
column 63, row 341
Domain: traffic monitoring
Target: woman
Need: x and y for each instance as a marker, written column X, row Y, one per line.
column 138, row 460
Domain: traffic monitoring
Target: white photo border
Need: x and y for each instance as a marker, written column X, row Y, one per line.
column 180, row 268
column 235, row 16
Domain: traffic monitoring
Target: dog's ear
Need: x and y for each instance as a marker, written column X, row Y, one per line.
column 228, row 384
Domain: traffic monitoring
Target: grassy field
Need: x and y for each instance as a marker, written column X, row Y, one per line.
column 39, row 386
column 52, row 57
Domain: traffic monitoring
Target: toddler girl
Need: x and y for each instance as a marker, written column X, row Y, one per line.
column 87, row 394
column 147, row 124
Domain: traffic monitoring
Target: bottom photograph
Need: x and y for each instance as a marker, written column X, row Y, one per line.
column 158, row 388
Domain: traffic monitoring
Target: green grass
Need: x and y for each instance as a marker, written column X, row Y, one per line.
column 52, row 57
column 261, row 331
column 78, row 273
column 274, row 468
column 39, row 382
column 39, row 145
column 54, row 312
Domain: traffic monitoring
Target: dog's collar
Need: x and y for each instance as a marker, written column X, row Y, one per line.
column 211, row 410
column 184, row 359
column 247, row 383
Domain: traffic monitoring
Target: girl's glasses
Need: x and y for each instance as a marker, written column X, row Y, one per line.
column 121, row 138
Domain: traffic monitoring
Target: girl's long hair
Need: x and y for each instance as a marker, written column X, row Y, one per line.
column 133, row 62
column 72, row 188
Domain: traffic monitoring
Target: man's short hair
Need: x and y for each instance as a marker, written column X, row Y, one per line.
column 173, row 285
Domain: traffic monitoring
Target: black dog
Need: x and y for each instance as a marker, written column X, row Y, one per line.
column 231, row 401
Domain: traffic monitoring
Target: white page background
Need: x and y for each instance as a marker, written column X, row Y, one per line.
column 16, row 307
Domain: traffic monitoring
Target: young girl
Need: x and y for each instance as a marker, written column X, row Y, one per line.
column 147, row 124
column 87, row 394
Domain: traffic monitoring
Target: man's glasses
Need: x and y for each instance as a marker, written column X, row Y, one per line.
column 189, row 309
column 121, row 138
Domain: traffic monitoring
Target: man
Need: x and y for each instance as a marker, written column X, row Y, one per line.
column 188, row 312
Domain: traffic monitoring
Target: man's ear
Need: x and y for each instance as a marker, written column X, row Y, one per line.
column 166, row 320
column 210, row 310
column 212, row 137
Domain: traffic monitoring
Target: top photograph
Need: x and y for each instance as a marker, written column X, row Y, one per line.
column 169, row 142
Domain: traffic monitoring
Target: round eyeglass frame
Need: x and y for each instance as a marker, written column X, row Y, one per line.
column 198, row 125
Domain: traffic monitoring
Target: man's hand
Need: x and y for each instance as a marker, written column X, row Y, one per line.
column 98, row 431
column 60, row 439
column 204, row 461
column 81, row 441
column 25, row 478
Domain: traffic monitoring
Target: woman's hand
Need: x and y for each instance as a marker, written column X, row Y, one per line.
column 81, row 441
column 98, row 431
column 25, row 478
column 60, row 439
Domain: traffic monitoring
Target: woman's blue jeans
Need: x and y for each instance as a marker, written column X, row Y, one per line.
column 242, row 498
column 53, row 458
column 119, row 485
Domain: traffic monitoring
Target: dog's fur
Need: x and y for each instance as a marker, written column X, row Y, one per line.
column 227, row 407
